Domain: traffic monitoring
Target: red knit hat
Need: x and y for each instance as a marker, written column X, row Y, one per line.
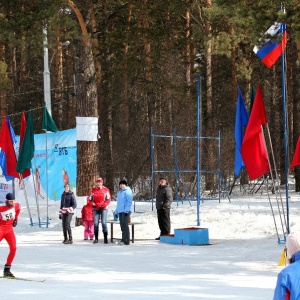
column 99, row 179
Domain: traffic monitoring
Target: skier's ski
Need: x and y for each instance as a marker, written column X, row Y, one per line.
column 40, row 195
column 23, row 279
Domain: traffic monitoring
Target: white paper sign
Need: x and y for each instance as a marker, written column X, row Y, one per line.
column 87, row 129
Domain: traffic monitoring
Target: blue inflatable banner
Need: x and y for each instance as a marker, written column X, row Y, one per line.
column 53, row 165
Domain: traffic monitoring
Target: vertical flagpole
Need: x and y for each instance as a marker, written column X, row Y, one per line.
column 198, row 148
column 286, row 168
column 47, row 85
column 26, row 199
column 36, row 194
column 47, row 218
column 47, row 98
column 285, row 133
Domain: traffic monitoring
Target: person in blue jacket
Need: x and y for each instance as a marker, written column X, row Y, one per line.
column 123, row 209
column 288, row 281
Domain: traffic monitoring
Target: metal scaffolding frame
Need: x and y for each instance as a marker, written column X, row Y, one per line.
column 198, row 152
column 178, row 172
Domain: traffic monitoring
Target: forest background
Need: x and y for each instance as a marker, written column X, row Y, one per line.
column 131, row 63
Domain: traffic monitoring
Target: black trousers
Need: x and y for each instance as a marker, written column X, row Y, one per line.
column 124, row 228
column 66, row 225
column 164, row 221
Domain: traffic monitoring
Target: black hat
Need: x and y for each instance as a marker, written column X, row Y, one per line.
column 10, row 196
column 123, row 182
column 66, row 185
column 162, row 177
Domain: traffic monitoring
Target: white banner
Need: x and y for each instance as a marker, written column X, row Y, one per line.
column 87, row 129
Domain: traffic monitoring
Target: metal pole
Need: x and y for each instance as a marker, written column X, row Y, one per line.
column 175, row 165
column 285, row 138
column 219, row 165
column 47, row 217
column 198, row 149
column 152, row 167
column 47, row 88
column 26, row 198
column 47, row 98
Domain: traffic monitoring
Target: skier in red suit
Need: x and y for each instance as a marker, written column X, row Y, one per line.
column 9, row 214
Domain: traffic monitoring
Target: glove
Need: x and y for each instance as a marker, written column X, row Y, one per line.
column 60, row 217
column 15, row 223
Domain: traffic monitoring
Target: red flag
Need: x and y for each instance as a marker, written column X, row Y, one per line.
column 296, row 158
column 6, row 144
column 254, row 151
column 22, row 133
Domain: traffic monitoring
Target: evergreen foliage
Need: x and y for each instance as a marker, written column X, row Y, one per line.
column 144, row 53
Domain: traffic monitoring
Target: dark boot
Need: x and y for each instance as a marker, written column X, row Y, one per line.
column 105, row 237
column 65, row 238
column 96, row 238
column 7, row 272
column 70, row 240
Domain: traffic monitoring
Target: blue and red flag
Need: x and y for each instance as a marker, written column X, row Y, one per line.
column 273, row 45
column 241, row 120
column 8, row 159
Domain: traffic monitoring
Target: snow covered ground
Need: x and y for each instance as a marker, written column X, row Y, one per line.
column 241, row 262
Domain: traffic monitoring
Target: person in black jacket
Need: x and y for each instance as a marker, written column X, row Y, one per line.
column 66, row 212
column 164, row 199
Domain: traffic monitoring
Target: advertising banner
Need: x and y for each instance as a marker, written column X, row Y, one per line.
column 53, row 165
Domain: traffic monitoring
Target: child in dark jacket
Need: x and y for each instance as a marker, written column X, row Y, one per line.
column 87, row 215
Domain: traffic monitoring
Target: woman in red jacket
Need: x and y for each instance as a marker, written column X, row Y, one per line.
column 9, row 214
column 87, row 215
column 100, row 195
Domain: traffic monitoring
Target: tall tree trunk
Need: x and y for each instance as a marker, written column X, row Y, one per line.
column 188, row 46
column 209, row 65
column 59, row 78
column 87, row 106
column 126, row 83
column 209, row 151
column 104, row 101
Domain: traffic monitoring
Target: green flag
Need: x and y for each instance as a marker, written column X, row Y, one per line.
column 48, row 123
column 27, row 149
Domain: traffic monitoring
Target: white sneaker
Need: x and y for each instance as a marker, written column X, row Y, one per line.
column 121, row 244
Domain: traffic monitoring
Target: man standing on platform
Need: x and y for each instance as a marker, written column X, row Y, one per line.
column 164, row 199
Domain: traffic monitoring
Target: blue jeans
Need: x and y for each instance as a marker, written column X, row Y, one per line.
column 103, row 214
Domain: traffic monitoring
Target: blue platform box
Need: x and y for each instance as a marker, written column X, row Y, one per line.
column 187, row 236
